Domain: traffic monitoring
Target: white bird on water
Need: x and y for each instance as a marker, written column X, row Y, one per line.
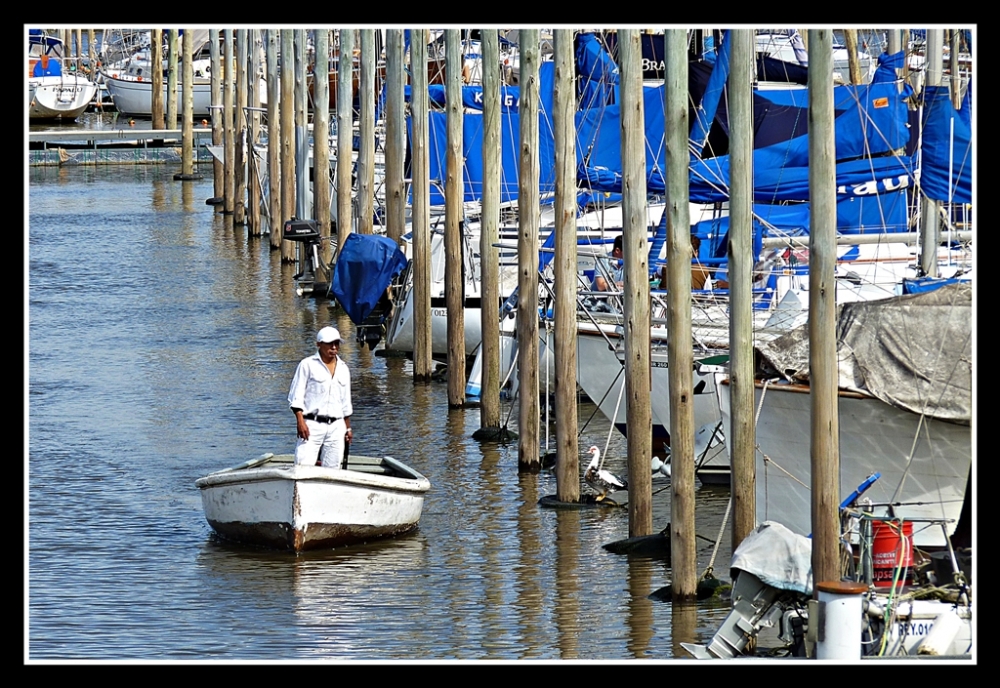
column 660, row 466
column 601, row 480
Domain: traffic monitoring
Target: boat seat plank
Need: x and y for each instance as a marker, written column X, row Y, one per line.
column 380, row 470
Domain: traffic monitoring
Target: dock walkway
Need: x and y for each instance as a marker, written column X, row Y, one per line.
column 114, row 146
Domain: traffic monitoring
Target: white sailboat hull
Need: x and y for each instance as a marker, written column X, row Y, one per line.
column 59, row 97
column 134, row 97
column 874, row 436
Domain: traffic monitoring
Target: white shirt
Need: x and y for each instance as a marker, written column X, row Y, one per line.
column 315, row 390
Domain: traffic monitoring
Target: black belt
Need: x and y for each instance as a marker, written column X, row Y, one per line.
column 320, row 419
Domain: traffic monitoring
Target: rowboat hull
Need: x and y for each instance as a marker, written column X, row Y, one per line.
column 271, row 502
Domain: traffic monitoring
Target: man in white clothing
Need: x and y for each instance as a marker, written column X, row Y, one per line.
column 320, row 398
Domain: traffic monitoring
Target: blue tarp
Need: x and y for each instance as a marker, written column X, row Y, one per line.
column 510, row 135
column 871, row 121
column 365, row 267
column 709, row 104
column 941, row 152
column 472, row 96
column 598, row 72
column 710, row 179
column 922, row 284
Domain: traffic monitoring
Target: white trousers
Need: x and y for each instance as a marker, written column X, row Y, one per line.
column 326, row 440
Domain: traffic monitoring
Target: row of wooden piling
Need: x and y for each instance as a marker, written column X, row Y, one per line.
column 637, row 312
column 285, row 203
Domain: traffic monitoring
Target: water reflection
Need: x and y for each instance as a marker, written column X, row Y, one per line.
column 568, row 600
column 191, row 331
column 683, row 626
column 639, row 616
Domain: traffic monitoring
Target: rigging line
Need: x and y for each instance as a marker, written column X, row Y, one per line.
column 611, row 429
column 598, row 405
column 768, row 460
column 718, row 538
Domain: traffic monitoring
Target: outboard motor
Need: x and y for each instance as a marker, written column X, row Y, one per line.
column 306, row 232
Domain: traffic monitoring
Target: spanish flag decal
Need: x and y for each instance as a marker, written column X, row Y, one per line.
column 880, row 102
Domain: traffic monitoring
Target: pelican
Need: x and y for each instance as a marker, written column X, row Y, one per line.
column 601, row 480
column 660, row 466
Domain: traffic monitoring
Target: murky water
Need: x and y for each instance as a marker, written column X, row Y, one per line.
column 162, row 342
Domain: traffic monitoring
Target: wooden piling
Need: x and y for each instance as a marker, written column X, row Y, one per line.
column 321, row 151
column 395, row 143
column 679, row 347
column 301, row 140
column 893, row 44
column 239, row 127
column 741, row 434
column 489, row 234
column 423, row 363
column 564, row 104
column 853, row 64
column 92, row 58
column 156, row 58
column 366, row 133
column 824, row 427
column 253, row 117
column 274, row 140
column 187, row 121
column 173, row 48
column 345, row 135
column 527, row 257
column 954, row 68
column 635, row 246
column 454, row 191
column 229, row 134
column 287, row 107
column 218, row 169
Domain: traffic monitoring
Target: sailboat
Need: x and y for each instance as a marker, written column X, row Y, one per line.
column 54, row 91
column 902, row 377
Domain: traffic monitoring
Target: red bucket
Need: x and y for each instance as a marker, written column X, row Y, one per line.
column 892, row 545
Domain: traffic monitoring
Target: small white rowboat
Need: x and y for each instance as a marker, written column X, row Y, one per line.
column 271, row 502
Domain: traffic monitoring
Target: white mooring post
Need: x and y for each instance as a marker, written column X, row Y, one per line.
column 840, row 617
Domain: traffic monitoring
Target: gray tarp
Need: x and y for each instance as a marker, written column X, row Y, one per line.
column 913, row 351
column 777, row 556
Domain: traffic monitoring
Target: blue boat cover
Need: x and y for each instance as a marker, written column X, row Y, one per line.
column 472, row 142
column 946, row 167
column 365, row 268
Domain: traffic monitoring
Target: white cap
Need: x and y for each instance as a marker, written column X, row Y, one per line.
column 328, row 334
